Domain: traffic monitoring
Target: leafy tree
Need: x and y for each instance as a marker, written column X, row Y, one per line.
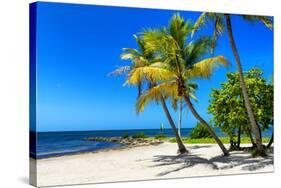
column 222, row 21
column 199, row 131
column 139, row 135
column 227, row 104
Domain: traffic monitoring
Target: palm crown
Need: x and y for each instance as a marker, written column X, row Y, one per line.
column 181, row 59
column 218, row 19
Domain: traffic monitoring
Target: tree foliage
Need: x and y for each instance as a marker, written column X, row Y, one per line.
column 227, row 104
column 199, row 131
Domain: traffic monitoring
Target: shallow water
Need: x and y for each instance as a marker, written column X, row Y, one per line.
column 51, row 144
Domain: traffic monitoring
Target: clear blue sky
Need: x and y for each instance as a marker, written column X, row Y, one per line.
column 78, row 45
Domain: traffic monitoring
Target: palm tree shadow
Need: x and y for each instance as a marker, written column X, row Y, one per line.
column 184, row 160
column 246, row 162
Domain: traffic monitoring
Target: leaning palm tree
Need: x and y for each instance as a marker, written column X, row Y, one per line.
column 182, row 61
column 191, row 87
column 141, row 59
column 220, row 22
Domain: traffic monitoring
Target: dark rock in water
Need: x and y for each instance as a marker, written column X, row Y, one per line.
column 127, row 141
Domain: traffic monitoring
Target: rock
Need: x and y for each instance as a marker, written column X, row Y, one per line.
column 127, row 141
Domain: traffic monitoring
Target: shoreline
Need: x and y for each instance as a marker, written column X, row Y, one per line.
column 147, row 162
column 127, row 144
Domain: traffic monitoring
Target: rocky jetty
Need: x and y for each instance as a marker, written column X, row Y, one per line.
column 127, row 141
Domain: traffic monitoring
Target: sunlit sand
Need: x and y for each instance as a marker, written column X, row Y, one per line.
column 147, row 162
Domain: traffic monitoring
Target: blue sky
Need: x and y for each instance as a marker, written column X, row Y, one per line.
column 78, row 45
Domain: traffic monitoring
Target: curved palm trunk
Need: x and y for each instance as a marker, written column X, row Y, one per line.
column 239, row 137
column 181, row 146
column 251, row 137
column 180, row 118
column 270, row 141
column 210, row 130
column 254, row 126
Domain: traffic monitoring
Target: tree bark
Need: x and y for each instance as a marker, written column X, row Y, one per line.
column 254, row 126
column 182, row 148
column 210, row 130
column 251, row 137
column 180, row 118
column 239, row 137
column 270, row 141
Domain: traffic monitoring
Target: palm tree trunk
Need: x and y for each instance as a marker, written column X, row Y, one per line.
column 181, row 146
column 251, row 137
column 270, row 141
column 210, row 130
column 239, row 137
column 180, row 118
column 254, row 126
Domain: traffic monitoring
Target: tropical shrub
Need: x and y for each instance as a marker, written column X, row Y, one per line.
column 126, row 135
column 227, row 104
column 160, row 136
column 199, row 131
column 139, row 135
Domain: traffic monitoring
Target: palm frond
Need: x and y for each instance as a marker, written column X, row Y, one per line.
column 120, row 71
column 166, row 89
column 140, row 43
column 159, row 42
column 192, row 96
column 153, row 74
column 205, row 68
column 129, row 54
column 199, row 22
column 179, row 29
column 196, row 49
column 266, row 20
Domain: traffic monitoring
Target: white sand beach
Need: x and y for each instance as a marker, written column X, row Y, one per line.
column 147, row 162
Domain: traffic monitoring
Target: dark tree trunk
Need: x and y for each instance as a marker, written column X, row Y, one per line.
column 254, row 126
column 251, row 137
column 239, row 137
column 232, row 145
column 270, row 141
column 182, row 148
column 180, row 117
column 210, row 130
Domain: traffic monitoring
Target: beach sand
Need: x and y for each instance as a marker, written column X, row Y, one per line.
column 147, row 162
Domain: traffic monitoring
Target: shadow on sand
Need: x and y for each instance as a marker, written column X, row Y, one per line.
column 235, row 159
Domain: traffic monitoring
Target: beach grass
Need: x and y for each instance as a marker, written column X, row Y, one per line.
column 225, row 140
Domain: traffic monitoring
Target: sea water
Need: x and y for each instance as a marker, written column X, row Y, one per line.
column 50, row 144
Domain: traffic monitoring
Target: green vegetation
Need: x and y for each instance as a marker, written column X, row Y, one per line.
column 140, row 135
column 225, row 140
column 181, row 60
column 160, row 136
column 199, row 131
column 222, row 21
column 126, row 135
column 227, row 105
column 167, row 61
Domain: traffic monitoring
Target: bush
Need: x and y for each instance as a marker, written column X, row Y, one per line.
column 139, row 135
column 199, row 131
column 126, row 135
column 160, row 136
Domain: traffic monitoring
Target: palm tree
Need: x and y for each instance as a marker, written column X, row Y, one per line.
column 181, row 62
column 141, row 59
column 180, row 116
column 192, row 87
column 219, row 28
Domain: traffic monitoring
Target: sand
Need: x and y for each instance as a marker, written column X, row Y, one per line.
column 147, row 162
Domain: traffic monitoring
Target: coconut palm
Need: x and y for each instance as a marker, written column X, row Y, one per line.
column 141, row 59
column 222, row 21
column 182, row 61
column 192, row 87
